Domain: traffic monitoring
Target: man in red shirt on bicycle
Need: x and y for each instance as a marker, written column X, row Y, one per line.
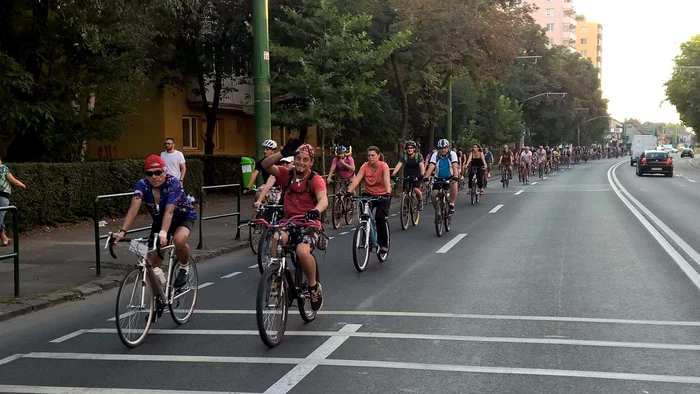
column 303, row 193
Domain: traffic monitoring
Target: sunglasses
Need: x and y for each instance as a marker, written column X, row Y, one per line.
column 156, row 173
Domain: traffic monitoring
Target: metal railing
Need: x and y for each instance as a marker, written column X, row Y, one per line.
column 15, row 244
column 96, row 219
column 202, row 218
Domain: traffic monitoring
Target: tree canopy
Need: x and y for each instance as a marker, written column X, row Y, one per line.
column 683, row 89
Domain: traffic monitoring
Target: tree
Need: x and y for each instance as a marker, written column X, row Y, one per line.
column 73, row 69
column 683, row 89
column 208, row 40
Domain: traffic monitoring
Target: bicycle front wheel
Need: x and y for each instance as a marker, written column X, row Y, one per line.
column 337, row 211
column 134, row 309
column 254, row 232
column 304, row 300
column 184, row 299
column 264, row 253
column 405, row 211
column 349, row 211
column 360, row 251
column 271, row 306
column 439, row 209
column 415, row 209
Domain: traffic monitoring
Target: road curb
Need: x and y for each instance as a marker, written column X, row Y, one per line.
column 98, row 285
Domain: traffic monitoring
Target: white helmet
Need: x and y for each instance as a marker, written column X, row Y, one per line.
column 269, row 144
column 443, row 143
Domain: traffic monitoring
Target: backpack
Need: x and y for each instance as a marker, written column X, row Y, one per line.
column 443, row 166
column 292, row 175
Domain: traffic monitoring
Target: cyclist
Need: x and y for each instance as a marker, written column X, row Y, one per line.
column 548, row 157
column 427, row 158
column 541, row 156
column 303, row 193
column 272, row 189
column 413, row 160
column 444, row 163
column 345, row 165
column 488, row 155
column 557, row 156
column 477, row 163
column 269, row 147
column 526, row 162
column 375, row 173
column 506, row 160
column 172, row 212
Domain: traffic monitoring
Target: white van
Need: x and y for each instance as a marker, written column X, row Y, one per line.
column 640, row 143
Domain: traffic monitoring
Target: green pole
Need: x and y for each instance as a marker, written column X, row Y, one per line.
column 261, row 76
column 449, row 112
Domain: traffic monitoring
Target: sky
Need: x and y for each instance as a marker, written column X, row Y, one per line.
column 640, row 42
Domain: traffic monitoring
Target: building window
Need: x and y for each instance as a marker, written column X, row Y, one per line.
column 600, row 53
column 600, row 29
column 550, row 26
column 584, row 41
column 189, row 132
column 599, row 65
column 584, row 30
column 600, row 41
column 550, row 11
column 584, row 53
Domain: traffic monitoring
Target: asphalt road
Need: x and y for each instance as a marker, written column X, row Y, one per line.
column 562, row 289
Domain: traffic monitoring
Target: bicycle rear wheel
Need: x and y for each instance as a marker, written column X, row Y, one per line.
column 349, row 211
column 439, row 209
column 361, row 247
column 405, row 211
column 271, row 306
column 473, row 191
column 254, row 232
column 184, row 299
column 304, row 300
column 447, row 221
column 415, row 212
column 337, row 211
column 134, row 312
column 383, row 256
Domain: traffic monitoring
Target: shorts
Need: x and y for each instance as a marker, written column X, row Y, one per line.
column 409, row 184
column 177, row 222
column 307, row 235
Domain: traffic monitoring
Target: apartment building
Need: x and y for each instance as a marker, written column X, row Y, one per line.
column 590, row 42
column 559, row 19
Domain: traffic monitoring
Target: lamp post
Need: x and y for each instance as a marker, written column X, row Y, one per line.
column 578, row 138
column 547, row 94
column 261, row 76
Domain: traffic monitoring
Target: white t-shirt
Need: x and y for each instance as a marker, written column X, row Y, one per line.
column 172, row 162
column 525, row 157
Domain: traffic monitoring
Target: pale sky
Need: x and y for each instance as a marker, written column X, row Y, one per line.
column 640, row 41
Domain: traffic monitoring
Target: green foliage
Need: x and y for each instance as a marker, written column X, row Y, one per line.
column 65, row 192
column 682, row 89
column 218, row 169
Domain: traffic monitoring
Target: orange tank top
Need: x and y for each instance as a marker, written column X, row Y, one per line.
column 374, row 179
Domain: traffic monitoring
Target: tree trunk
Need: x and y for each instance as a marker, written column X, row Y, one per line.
column 323, row 150
column 403, row 100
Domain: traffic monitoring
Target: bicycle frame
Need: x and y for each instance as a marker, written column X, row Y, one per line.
column 367, row 218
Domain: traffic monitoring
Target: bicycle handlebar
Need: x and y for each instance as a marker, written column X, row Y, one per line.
column 298, row 220
column 371, row 198
column 110, row 245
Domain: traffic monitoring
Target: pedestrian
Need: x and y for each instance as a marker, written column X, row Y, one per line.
column 6, row 179
column 174, row 160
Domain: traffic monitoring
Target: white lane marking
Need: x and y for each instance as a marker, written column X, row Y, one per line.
column 544, row 178
column 287, row 382
column 370, row 364
column 519, row 192
column 331, row 237
column 672, row 234
column 680, row 261
column 7, row 388
column 344, row 232
column 253, row 266
column 68, row 336
column 11, row 358
column 452, row 243
column 499, row 206
column 344, row 335
column 203, row 285
column 682, row 185
column 393, row 214
column 533, row 183
column 690, row 180
column 433, row 315
column 554, row 173
column 231, row 275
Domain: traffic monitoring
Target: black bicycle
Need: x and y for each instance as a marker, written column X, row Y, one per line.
column 505, row 175
column 473, row 191
column 410, row 204
column 343, row 206
column 443, row 217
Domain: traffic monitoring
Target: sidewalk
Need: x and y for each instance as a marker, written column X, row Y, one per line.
column 59, row 265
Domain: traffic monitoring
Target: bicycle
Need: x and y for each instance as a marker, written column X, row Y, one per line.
column 443, row 218
column 473, row 192
column 278, row 288
column 365, row 237
column 145, row 307
column 426, row 187
column 271, row 213
column 505, row 175
column 342, row 205
column 410, row 203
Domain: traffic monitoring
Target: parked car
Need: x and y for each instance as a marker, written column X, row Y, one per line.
column 687, row 152
column 655, row 162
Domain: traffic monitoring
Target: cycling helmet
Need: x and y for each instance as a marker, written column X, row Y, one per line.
column 339, row 150
column 270, row 144
column 411, row 144
column 443, row 143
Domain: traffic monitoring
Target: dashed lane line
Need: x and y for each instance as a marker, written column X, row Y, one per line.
column 231, row 275
column 499, row 206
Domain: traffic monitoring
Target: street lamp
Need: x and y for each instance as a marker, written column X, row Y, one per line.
column 578, row 133
column 544, row 94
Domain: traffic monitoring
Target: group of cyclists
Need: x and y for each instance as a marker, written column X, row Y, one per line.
column 290, row 181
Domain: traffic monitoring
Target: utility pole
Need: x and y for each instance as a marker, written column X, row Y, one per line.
column 261, row 76
column 449, row 113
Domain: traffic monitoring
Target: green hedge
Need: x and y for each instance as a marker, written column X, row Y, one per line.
column 65, row 192
column 219, row 169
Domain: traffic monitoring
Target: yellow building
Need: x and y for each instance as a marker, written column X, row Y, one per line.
column 178, row 114
column 589, row 42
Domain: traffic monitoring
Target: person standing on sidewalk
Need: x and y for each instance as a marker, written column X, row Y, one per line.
column 6, row 179
column 174, row 160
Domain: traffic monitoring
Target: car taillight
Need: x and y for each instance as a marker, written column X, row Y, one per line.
column 668, row 161
column 644, row 160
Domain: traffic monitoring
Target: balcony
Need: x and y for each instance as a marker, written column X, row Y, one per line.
column 568, row 37
column 570, row 21
column 569, row 8
column 237, row 93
